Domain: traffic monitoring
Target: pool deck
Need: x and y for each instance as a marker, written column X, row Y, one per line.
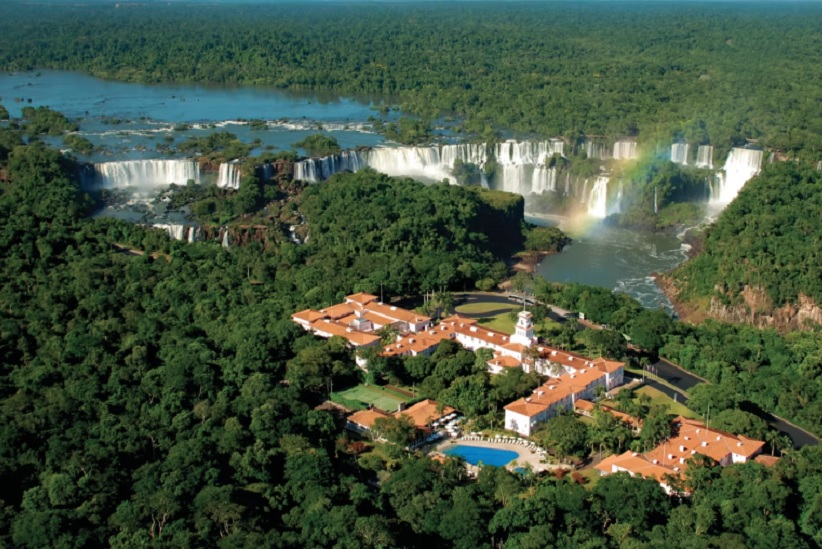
column 525, row 455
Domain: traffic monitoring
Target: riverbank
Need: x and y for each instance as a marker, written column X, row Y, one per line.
column 684, row 311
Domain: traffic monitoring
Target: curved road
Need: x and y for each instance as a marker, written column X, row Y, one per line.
column 684, row 380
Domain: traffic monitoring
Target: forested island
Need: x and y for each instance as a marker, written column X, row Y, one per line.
column 156, row 392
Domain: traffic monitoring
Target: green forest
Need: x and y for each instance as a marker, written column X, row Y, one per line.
column 768, row 239
column 155, row 393
column 721, row 73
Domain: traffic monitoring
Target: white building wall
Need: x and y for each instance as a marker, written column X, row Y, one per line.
column 518, row 423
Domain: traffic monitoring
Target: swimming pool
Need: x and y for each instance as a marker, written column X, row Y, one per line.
column 488, row 456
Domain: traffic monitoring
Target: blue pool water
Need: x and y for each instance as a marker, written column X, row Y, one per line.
column 488, row 456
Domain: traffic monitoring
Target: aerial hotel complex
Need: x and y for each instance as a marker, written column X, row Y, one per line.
column 572, row 376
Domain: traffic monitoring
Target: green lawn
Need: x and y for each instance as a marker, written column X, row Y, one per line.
column 658, row 397
column 479, row 308
column 382, row 398
column 503, row 323
column 639, row 373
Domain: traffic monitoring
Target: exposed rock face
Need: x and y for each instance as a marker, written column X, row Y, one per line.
column 752, row 306
column 757, row 310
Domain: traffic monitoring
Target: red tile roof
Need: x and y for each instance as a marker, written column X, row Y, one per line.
column 671, row 457
column 555, row 390
column 424, row 412
column 366, row 418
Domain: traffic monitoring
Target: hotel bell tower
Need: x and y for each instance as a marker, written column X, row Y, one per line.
column 524, row 332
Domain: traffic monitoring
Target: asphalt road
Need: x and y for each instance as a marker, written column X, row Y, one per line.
column 684, row 381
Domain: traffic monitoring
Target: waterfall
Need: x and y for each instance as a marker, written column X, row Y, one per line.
column 267, row 171
column 229, row 175
column 617, row 208
column 705, row 157
column 585, row 191
column 595, row 150
column 527, row 152
column 418, row 162
column 292, row 234
column 139, row 173
column 819, row 165
column 598, row 200
column 680, row 152
column 741, row 165
column 625, row 150
column 521, row 164
column 225, row 238
column 194, row 234
column 313, row 170
column 656, row 204
column 544, row 180
column 174, row 230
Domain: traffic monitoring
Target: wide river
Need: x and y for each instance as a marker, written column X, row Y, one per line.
column 619, row 259
column 129, row 121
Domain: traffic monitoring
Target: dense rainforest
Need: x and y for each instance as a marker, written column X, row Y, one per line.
column 760, row 262
column 707, row 72
column 156, row 393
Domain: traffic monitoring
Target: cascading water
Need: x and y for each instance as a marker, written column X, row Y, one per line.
column 527, row 152
column 313, row 170
column 680, row 153
column 229, row 175
column 595, row 150
column 194, row 234
column 705, row 157
column 139, row 173
column 741, row 165
column 419, row 162
column 174, row 230
column 597, row 201
column 267, row 171
column 522, row 165
column 225, row 240
column 625, row 150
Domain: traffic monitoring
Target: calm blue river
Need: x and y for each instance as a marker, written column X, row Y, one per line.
column 129, row 121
